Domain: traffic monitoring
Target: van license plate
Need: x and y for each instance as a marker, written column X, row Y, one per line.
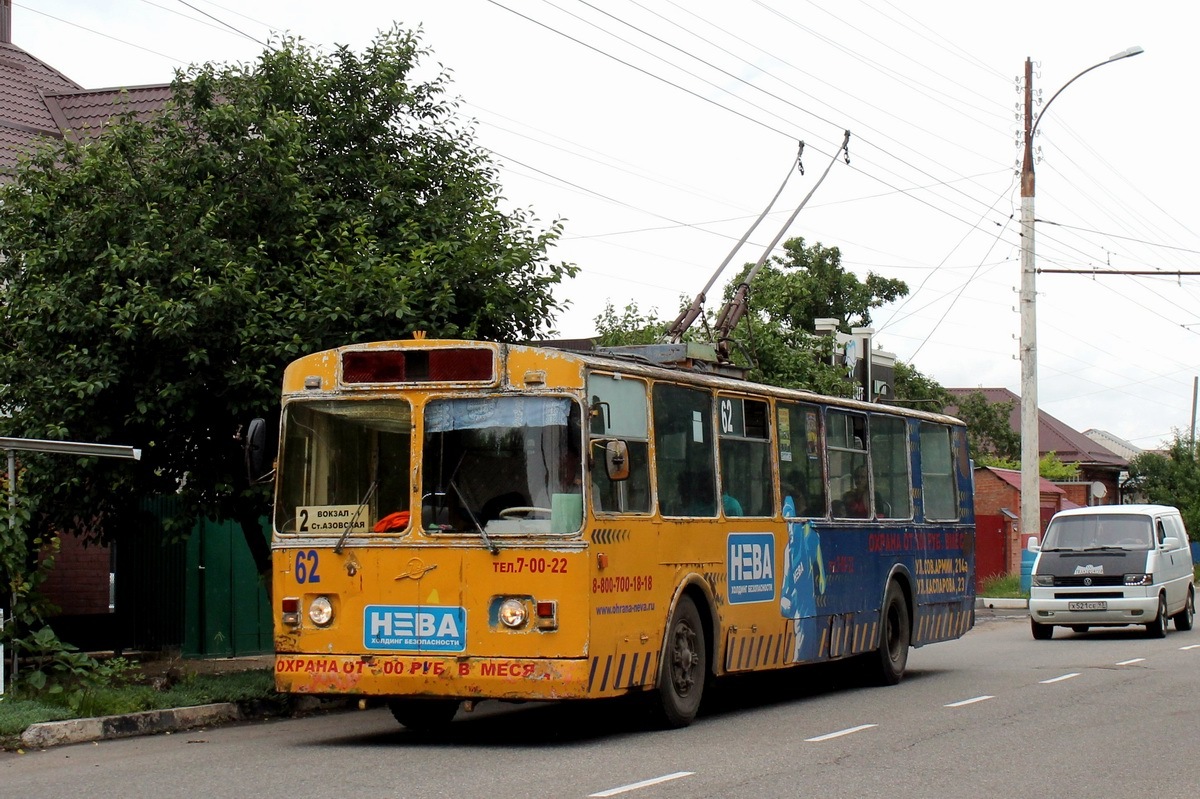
column 1087, row 606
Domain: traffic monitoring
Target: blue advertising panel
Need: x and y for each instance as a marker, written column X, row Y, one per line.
column 751, row 567
column 415, row 628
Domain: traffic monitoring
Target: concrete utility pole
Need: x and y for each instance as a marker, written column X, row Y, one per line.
column 1031, row 498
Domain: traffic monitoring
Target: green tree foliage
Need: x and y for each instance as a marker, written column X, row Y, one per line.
column 154, row 282
column 1170, row 479
column 777, row 335
column 776, row 338
column 989, row 431
column 809, row 283
column 915, row 390
column 629, row 327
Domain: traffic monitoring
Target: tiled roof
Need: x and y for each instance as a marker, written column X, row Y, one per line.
column 37, row 100
column 85, row 113
column 1013, row 478
column 24, row 80
column 1069, row 445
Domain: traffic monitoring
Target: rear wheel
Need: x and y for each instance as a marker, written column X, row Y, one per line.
column 1042, row 632
column 1158, row 627
column 424, row 715
column 1184, row 618
column 685, row 667
column 886, row 666
column 1079, row 628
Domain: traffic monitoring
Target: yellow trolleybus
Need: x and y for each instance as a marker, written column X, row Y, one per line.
column 460, row 520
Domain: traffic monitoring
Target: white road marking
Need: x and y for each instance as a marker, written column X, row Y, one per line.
column 840, row 733
column 1060, row 679
column 1130, row 662
column 1192, row 646
column 970, row 701
column 643, row 784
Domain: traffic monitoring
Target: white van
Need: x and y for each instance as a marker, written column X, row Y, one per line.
column 1111, row 565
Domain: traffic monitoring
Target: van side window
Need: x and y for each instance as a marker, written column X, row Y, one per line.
column 1174, row 527
column 1160, row 532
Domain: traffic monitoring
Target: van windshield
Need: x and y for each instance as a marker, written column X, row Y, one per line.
column 1100, row 531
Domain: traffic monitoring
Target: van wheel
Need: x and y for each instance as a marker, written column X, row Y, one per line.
column 1079, row 628
column 895, row 636
column 1158, row 627
column 685, row 667
column 424, row 715
column 1042, row 632
column 1184, row 618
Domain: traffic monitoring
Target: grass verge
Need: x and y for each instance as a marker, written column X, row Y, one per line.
column 1005, row 586
column 254, row 687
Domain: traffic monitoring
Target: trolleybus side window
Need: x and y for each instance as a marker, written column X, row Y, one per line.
column 937, row 472
column 683, row 451
column 890, row 467
column 618, row 409
column 745, row 452
column 849, row 477
column 801, row 467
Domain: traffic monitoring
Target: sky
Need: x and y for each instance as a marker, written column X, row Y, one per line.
column 658, row 130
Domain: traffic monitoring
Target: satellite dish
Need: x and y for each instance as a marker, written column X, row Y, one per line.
column 1099, row 490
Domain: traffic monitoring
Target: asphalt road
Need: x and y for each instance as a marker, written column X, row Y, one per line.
column 995, row 714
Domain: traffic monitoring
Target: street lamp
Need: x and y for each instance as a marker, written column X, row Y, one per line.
column 1031, row 522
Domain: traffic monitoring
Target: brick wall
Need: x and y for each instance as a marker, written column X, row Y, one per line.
column 78, row 583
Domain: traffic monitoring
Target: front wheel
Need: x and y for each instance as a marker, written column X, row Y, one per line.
column 424, row 715
column 685, row 667
column 1041, row 632
column 895, row 635
column 1158, row 627
column 1184, row 618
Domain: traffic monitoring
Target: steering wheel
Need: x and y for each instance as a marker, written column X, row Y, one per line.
column 524, row 511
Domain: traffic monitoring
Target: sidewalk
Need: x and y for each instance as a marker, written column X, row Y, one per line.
column 1001, row 603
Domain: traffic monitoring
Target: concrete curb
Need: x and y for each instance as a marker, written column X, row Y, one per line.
column 72, row 731
column 1001, row 603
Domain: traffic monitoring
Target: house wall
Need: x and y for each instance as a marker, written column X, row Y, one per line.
column 78, row 583
column 992, row 494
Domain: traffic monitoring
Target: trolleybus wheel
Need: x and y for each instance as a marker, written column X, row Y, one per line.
column 424, row 715
column 685, row 667
column 895, row 636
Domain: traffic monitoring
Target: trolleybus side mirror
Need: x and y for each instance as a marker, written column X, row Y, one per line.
column 255, row 445
column 616, row 460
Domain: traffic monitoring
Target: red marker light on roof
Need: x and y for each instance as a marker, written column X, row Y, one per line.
column 450, row 365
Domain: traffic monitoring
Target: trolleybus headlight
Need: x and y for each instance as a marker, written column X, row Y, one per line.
column 513, row 613
column 320, row 610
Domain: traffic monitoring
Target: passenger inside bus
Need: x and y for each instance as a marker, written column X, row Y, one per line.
column 856, row 502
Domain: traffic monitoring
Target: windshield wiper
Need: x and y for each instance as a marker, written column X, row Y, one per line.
column 495, row 550
column 358, row 512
